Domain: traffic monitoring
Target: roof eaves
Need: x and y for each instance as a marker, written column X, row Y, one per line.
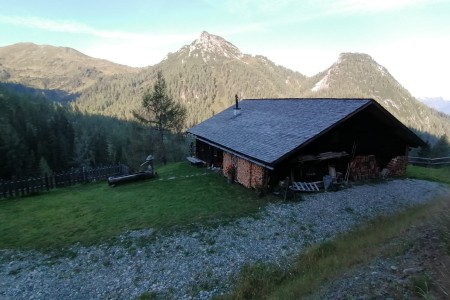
column 243, row 156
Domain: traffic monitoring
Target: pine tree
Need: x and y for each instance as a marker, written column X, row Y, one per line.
column 161, row 111
column 425, row 151
column 441, row 148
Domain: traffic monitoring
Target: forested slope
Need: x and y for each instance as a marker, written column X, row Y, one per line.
column 38, row 136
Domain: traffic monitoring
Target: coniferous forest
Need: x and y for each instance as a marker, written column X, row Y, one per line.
column 38, row 136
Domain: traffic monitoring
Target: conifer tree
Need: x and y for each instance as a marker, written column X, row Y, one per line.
column 161, row 111
column 441, row 148
column 425, row 151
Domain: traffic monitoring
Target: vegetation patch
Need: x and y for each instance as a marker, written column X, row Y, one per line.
column 93, row 213
column 438, row 174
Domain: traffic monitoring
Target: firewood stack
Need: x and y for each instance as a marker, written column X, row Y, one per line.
column 397, row 166
column 248, row 174
column 364, row 168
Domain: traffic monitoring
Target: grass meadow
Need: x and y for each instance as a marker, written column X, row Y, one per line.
column 182, row 196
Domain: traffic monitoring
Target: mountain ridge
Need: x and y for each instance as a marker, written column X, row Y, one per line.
column 438, row 103
column 206, row 74
column 56, row 68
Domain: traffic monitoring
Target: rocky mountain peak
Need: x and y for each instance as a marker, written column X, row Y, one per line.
column 352, row 59
column 208, row 44
column 354, row 56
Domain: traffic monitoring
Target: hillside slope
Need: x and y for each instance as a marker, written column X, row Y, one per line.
column 54, row 68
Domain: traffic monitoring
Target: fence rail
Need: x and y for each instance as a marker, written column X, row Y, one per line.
column 429, row 162
column 27, row 186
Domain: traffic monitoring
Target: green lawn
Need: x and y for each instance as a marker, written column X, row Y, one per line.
column 95, row 212
column 438, row 174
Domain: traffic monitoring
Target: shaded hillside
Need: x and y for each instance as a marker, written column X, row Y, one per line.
column 54, row 68
column 52, row 95
column 38, row 136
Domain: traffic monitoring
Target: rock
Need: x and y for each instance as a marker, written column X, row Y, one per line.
column 414, row 270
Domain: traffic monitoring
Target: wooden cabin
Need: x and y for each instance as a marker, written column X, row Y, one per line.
column 267, row 140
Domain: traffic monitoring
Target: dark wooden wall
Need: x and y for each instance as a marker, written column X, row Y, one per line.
column 208, row 153
column 370, row 135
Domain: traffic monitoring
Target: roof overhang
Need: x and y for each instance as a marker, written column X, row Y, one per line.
column 240, row 155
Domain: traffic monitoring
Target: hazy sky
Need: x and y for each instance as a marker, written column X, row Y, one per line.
column 411, row 38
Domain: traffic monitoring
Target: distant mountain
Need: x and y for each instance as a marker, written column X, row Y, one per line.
column 358, row 75
column 54, row 68
column 206, row 74
column 438, row 103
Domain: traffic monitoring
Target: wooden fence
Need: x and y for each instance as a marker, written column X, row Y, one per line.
column 430, row 162
column 31, row 185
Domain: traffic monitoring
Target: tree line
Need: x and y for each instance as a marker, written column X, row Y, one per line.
column 38, row 136
column 440, row 149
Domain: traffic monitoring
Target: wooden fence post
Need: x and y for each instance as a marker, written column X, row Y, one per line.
column 2, row 189
column 10, row 188
column 47, row 187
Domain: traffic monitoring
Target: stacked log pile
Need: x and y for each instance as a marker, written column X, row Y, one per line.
column 364, row 168
column 247, row 173
column 228, row 160
column 397, row 166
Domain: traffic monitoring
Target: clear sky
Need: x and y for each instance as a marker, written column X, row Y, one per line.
column 411, row 38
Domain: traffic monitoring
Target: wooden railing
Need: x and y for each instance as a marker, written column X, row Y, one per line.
column 430, row 162
column 31, row 185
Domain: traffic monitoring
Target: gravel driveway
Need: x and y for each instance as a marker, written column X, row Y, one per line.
column 197, row 264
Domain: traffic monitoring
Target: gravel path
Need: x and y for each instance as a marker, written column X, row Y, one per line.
column 198, row 264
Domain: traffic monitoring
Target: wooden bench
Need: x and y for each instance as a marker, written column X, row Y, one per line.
column 195, row 161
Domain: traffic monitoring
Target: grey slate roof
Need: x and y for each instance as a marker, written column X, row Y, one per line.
column 267, row 129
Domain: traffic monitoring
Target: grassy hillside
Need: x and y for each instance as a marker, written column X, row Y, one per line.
column 54, row 68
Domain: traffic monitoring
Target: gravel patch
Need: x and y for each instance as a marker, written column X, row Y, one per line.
column 198, row 264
